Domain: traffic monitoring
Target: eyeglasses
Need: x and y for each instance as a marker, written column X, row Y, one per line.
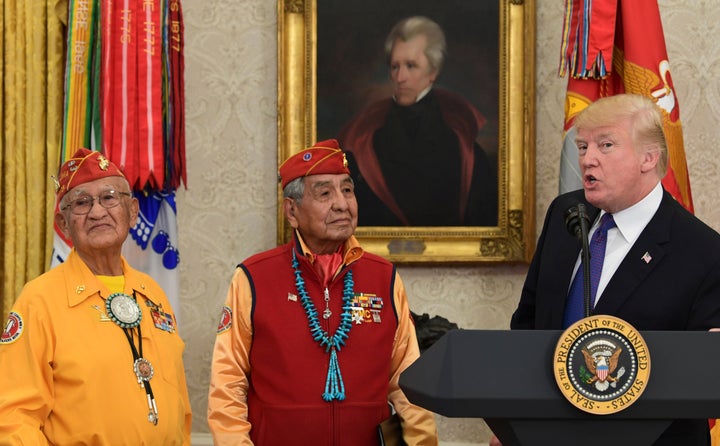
column 83, row 204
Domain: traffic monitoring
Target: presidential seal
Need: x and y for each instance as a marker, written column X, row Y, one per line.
column 123, row 310
column 601, row 364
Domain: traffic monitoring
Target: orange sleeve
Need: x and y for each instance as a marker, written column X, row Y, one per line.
column 227, row 397
column 26, row 387
column 418, row 424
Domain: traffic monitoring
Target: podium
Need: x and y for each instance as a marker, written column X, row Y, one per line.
column 506, row 377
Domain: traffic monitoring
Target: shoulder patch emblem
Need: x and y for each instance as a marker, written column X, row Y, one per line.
column 225, row 320
column 13, row 328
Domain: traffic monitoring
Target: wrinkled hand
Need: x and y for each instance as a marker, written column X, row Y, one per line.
column 494, row 441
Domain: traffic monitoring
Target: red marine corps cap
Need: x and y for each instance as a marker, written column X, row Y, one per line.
column 322, row 158
column 84, row 166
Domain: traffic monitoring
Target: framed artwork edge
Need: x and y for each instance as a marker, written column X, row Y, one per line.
column 513, row 239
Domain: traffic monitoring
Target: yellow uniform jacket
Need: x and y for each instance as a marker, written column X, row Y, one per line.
column 67, row 370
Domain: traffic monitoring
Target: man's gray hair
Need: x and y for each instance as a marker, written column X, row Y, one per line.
column 410, row 27
column 295, row 189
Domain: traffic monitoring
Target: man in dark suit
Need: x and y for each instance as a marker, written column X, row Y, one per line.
column 661, row 267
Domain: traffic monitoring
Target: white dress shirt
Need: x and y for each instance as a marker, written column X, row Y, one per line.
column 629, row 223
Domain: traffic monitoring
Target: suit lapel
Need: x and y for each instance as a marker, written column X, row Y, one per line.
column 644, row 255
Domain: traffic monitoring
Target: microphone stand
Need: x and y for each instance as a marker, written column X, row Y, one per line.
column 585, row 256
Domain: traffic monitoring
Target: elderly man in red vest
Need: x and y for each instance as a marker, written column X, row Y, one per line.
column 314, row 334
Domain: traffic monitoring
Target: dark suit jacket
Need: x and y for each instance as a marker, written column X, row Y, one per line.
column 677, row 289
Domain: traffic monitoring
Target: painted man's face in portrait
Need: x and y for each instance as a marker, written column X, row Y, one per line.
column 410, row 69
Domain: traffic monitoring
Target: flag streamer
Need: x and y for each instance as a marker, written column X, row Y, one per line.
column 81, row 36
column 124, row 88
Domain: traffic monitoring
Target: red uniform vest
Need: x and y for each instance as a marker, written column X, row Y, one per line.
column 289, row 368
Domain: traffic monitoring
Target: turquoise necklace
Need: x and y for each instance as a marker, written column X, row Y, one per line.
column 334, row 386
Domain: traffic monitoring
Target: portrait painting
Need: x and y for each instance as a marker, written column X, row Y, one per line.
column 432, row 103
column 411, row 170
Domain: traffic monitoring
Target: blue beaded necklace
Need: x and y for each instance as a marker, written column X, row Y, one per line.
column 334, row 385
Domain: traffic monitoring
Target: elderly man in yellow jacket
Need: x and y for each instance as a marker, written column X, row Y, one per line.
column 90, row 353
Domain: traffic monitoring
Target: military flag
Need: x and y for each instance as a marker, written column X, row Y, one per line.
column 124, row 96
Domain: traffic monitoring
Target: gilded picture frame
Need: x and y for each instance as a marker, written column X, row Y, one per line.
column 513, row 238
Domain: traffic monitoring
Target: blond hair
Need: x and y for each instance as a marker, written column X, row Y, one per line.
column 644, row 115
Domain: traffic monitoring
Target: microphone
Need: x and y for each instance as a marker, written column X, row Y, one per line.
column 577, row 222
column 574, row 217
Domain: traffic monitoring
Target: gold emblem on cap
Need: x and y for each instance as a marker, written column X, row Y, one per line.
column 56, row 183
column 103, row 162
column 345, row 163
